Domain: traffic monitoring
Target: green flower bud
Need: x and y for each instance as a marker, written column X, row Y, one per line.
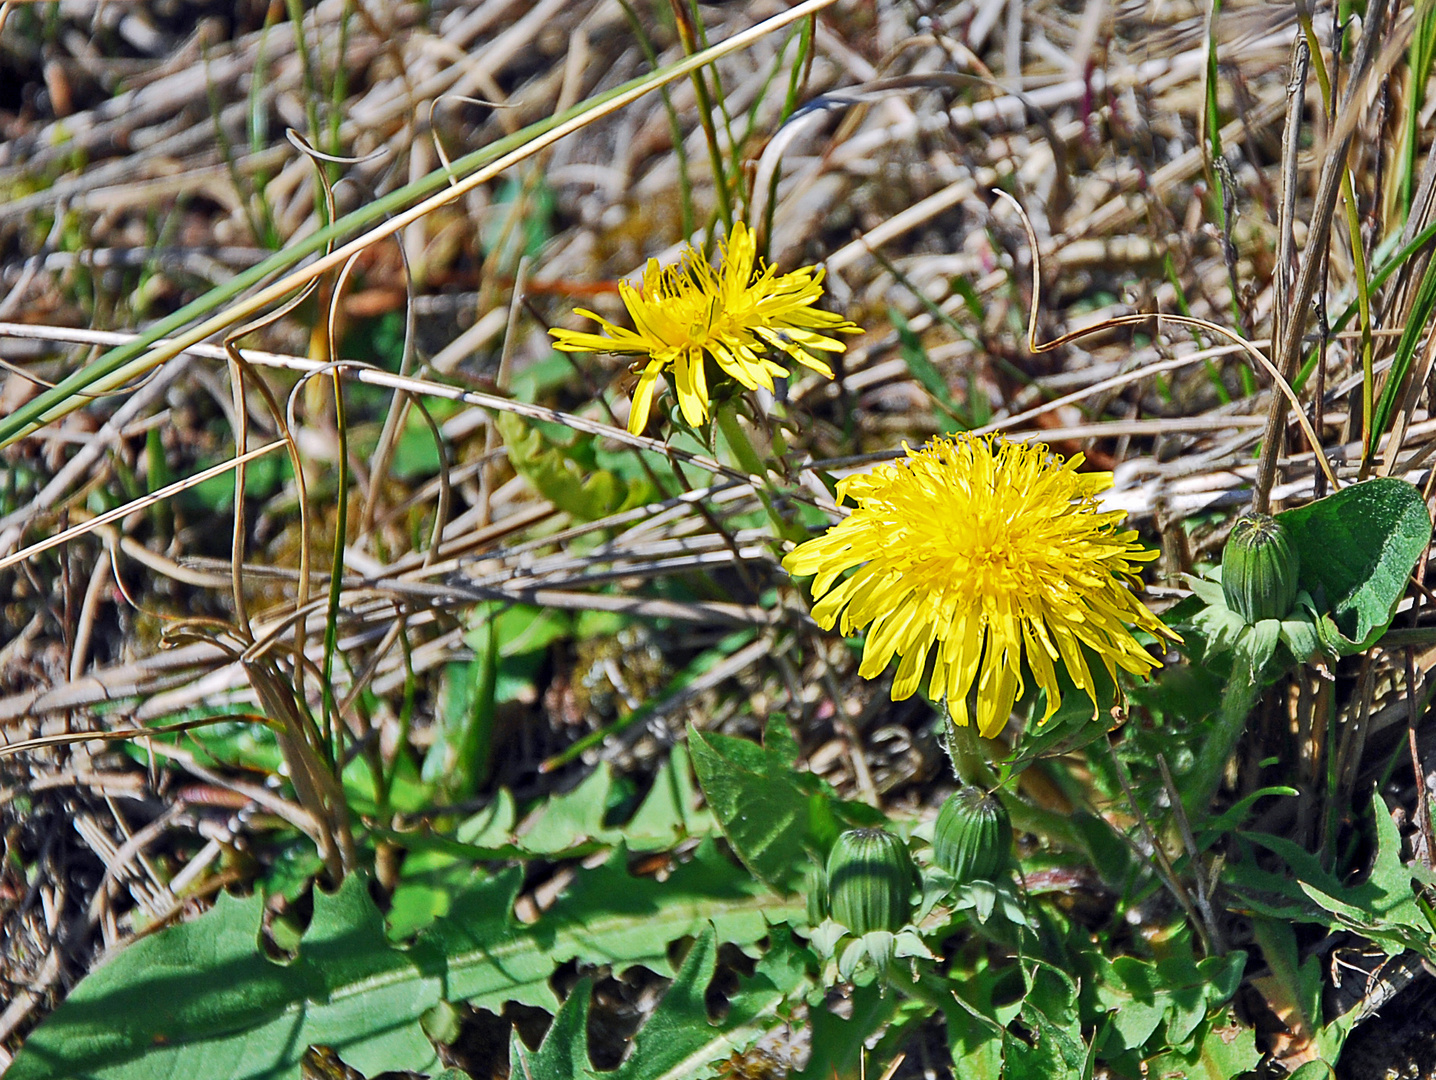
column 816, row 891
column 972, row 840
column 870, row 881
column 1259, row 569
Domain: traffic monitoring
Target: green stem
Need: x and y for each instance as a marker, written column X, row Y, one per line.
column 747, row 458
column 970, row 764
column 1231, row 720
column 926, row 988
column 687, row 34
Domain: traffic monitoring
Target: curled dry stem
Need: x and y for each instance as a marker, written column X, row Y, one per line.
column 1240, row 342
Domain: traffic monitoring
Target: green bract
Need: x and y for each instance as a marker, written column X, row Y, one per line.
column 973, row 836
column 870, row 881
column 1260, row 569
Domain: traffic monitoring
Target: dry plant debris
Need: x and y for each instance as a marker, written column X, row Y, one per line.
column 454, row 586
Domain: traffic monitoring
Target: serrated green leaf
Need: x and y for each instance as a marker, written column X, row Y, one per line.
column 764, row 817
column 573, row 823
column 678, row 1042
column 772, row 814
column 1357, row 548
column 574, row 817
column 1056, row 1050
column 1382, row 908
column 605, row 917
column 670, row 812
column 1166, row 999
column 567, row 475
column 563, row 1055
column 839, row 1042
column 491, row 826
column 200, row 999
column 1223, row 1049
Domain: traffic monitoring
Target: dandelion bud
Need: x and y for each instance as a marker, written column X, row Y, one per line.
column 816, row 891
column 1259, row 569
column 973, row 836
column 870, row 881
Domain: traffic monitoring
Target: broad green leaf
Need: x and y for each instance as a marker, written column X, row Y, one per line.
column 1357, row 548
column 201, row 1000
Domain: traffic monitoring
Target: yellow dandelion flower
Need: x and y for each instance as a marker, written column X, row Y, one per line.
column 740, row 315
column 979, row 551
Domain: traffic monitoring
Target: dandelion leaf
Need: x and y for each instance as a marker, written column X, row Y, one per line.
column 1382, row 908
column 201, row 999
column 1221, row 1050
column 568, row 476
column 839, row 1043
column 1052, row 1047
column 678, row 1041
column 771, row 814
column 563, row 1055
column 1161, row 1004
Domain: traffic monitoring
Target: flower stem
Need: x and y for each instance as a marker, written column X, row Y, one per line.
column 1231, row 720
column 964, row 748
column 750, row 461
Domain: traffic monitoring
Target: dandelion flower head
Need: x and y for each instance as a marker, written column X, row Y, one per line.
column 740, row 315
column 980, row 551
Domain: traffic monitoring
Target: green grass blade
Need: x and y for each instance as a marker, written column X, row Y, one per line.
column 124, row 364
